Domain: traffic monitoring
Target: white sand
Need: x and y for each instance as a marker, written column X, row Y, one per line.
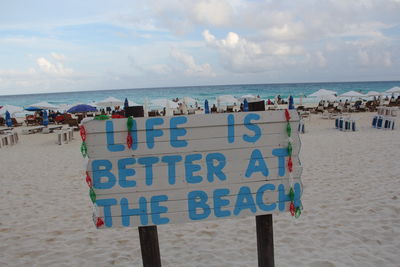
column 351, row 211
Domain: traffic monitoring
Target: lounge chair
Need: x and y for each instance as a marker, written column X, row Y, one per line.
column 15, row 122
column 30, row 120
column 72, row 122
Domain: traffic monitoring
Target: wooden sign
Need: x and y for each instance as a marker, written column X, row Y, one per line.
column 192, row 168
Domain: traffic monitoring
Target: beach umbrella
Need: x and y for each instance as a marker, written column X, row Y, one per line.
column 65, row 107
column 331, row 98
column 45, row 118
column 81, row 108
column 227, row 99
column 188, row 100
column 131, row 103
column 11, row 109
column 126, row 104
column 110, row 102
column 323, row 92
column 291, row 104
column 163, row 102
column 248, row 97
column 206, row 107
column 33, row 109
column 8, row 119
column 146, row 107
column 392, row 90
column 301, row 98
column 352, row 94
column 43, row 105
column 245, row 105
column 373, row 93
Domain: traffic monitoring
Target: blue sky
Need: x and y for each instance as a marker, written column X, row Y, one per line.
column 55, row 46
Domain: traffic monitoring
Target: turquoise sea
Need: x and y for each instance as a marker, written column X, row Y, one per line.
column 199, row 93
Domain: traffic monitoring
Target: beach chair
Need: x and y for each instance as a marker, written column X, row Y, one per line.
column 15, row 122
column 72, row 122
column 64, row 136
column 30, row 120
column 325, row 115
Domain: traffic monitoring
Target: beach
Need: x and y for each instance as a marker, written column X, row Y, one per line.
column 351, row 213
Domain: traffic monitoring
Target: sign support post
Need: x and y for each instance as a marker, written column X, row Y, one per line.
column 149, row 246
column 265, row 241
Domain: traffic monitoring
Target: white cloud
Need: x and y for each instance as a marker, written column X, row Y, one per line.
column 210, row 12
column 321, row 59
column 58, row 57
column 238, row 54
column 54, row 69
column 287, row 31
column 387, row 59
column 160, row 69
column 191, row 68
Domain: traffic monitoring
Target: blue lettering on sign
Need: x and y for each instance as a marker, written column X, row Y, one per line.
column 244, row 201
column 176, row 132
column 148, row 163
column 151, row 133
column 126, row 212
column 256, row 164
column 101, row 168
column 219, row 202
column 259, row 197
column 215, row 169
column 171, row 160
column 123, row 172
column 110, row 138
column 157, row 210
column 281, row 153
column 252, row 127
column 198, row 200
column 231, row 128
column 106, row 204
column 190, row 168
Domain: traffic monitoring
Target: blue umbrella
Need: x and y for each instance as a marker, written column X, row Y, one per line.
column 81, row 108
column 45, row 118
column 8, row 119
column 206, row 107
column 32, row 109
column 126, row 104
column 245, row 105
column 291, row 104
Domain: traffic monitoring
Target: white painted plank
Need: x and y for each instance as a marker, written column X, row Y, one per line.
column 179, row 200
column 181, row 182
column 119, row 137
column 232, row 156
column 215, row 144
column 182, row 217
column 197, row 120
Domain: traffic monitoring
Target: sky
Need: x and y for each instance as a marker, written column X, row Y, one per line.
column 59, row 46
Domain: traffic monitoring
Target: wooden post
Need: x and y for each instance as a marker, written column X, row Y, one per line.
column 265, row 241
column 149, row 246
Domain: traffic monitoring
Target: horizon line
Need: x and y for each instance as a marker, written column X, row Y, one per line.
column 185, row 86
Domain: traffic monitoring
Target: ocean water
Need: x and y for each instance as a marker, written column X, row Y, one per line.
column 199, row 93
